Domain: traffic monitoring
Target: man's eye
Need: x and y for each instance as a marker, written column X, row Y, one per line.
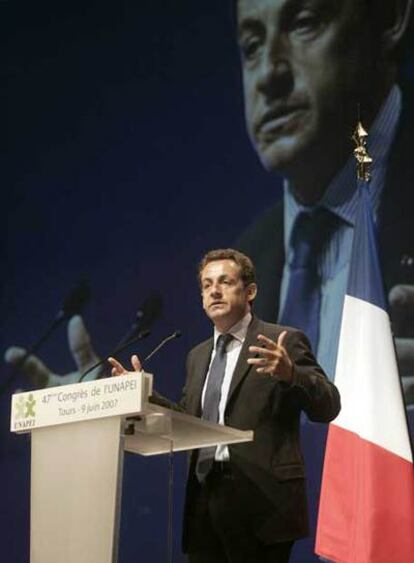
column 305, row 22
column 249, row 47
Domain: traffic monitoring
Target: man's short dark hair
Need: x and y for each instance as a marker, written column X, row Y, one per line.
column 248, row 272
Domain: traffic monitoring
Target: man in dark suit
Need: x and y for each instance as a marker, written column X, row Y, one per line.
column 246, row 502
column 308, row 69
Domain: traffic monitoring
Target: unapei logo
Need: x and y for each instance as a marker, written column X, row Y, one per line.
column 25, row 408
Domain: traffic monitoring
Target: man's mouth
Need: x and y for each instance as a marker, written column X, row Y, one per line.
column 278, row 119
column 217, row 303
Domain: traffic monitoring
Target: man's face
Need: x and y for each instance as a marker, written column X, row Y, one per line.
column 305, row 69
column 225, row 297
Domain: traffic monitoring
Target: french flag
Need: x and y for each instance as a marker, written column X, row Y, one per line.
column 366, row 511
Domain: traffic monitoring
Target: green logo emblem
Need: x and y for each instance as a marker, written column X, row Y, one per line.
column 25, row 408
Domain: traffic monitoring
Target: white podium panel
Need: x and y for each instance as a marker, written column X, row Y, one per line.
column 75, row 485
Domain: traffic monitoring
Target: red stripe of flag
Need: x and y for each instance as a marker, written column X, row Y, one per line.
column 374, row 489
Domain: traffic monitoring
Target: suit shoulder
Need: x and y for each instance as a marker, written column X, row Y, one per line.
column 268, row 224
column 276, row 329
column 200, row 347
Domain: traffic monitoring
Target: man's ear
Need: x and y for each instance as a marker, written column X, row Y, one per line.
column 397, row 18
column 252, row 291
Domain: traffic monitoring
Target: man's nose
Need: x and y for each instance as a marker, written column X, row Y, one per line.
column 276, row 77
column 216, row 290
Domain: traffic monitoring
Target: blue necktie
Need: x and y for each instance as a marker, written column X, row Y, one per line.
column 211, row 402
column 311, row 232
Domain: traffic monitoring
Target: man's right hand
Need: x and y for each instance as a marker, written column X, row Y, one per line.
column 81, row 349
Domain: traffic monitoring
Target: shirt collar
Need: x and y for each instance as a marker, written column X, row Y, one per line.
column 341, row 196
column 238, row 331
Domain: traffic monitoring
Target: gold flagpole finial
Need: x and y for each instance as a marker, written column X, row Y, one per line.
column 361, row 155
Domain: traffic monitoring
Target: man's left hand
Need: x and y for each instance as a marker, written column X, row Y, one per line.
column 272, row 358
column 118, row 368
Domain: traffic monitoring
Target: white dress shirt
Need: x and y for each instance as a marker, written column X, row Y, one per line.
column 238, row 331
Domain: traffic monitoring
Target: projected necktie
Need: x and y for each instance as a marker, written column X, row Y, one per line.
column 311, row 232
column 211, row 402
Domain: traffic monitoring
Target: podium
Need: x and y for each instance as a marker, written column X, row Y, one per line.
column 79, row 434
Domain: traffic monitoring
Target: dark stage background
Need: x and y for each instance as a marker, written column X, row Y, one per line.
column 127, row 158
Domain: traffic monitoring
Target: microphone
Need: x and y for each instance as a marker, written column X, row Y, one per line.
column 143, row 334
column 75, row 301
column 175, row 334
column 145, row 317
column 118, row 350
column 73, row 304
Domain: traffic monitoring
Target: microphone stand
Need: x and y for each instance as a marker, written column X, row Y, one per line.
column 175, row 334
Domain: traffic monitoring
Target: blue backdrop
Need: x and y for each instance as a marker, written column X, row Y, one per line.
column 127, row 159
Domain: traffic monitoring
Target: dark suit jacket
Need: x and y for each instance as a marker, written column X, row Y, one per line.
column 269, row 472
column 263, row 240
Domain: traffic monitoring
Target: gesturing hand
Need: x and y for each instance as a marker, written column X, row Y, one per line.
column 272, row 357
column 118, row 368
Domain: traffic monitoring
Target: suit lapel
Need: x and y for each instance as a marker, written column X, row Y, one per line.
column 198, row 377
column 242, row 367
